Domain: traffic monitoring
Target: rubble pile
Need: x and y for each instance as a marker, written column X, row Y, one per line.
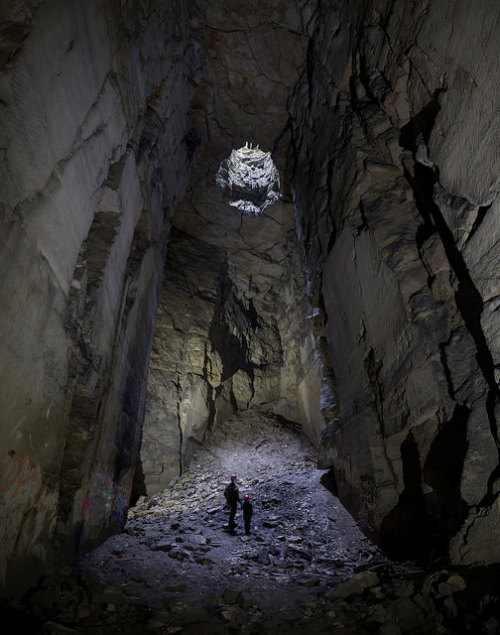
column 305, row 567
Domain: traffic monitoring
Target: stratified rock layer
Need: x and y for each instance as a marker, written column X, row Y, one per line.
column 361, row 306
column 91, row 116
column 396, row 201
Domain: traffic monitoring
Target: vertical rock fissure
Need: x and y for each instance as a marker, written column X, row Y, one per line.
column 442, row 471
column 230, row 318
column 373, row 368
column 179, row 426
column 210, row 392
column 430, row 509
column 467, row 297
column 405, row 531
column 444, row 363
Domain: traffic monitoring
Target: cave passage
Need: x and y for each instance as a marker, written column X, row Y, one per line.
column 176, row 567
column 324, row 313
column 305, row 567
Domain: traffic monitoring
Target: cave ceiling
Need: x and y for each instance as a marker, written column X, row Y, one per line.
column 254, row 53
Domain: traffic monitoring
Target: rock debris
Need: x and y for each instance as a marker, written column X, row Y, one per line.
column 305, row 568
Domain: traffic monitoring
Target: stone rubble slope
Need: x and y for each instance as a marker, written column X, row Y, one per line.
column 305, row 568
column 301, row 536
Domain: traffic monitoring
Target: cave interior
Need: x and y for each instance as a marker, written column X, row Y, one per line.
column 153, row 304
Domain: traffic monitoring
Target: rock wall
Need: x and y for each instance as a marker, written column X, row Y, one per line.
column 95, row 152
column 235, row 328
column 361, row 306
column 231, row 335
column 396, row 189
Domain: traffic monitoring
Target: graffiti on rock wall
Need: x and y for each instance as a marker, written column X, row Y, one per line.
column 21, row 483
column 20, row 475
column 106, row 501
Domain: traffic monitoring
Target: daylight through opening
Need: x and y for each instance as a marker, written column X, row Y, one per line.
column 250, row 178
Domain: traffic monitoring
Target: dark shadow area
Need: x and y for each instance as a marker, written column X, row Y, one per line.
column 406, row 531
column 443, row 473
column 329, row 481
column 232, row 350
column 430, row 509
column 138, row 485
column 419, row 128
column 17, row 621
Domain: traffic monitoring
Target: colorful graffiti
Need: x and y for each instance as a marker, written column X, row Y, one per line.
column 20, row 475
column 21, row 486
column 106, row 501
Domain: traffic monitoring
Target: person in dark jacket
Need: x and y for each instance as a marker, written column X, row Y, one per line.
column 247, row 513
column 232, row 495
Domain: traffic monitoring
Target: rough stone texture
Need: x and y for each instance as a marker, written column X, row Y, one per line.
column 174, row 568
column 362, row 306
column 396, row 203
column 93, row 154
column 227, row 339
column 233, row 331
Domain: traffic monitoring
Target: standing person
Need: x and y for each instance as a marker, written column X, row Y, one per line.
column 247, row 513
column 232, row 494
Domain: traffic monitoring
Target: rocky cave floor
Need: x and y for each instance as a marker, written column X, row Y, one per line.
column 305, row 568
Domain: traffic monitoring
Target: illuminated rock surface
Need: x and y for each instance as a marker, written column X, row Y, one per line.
column 250, row 178
column 305, row 567
column 139, row 310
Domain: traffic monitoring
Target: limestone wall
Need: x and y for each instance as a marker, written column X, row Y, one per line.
column 396, row 189
column 94, row 117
